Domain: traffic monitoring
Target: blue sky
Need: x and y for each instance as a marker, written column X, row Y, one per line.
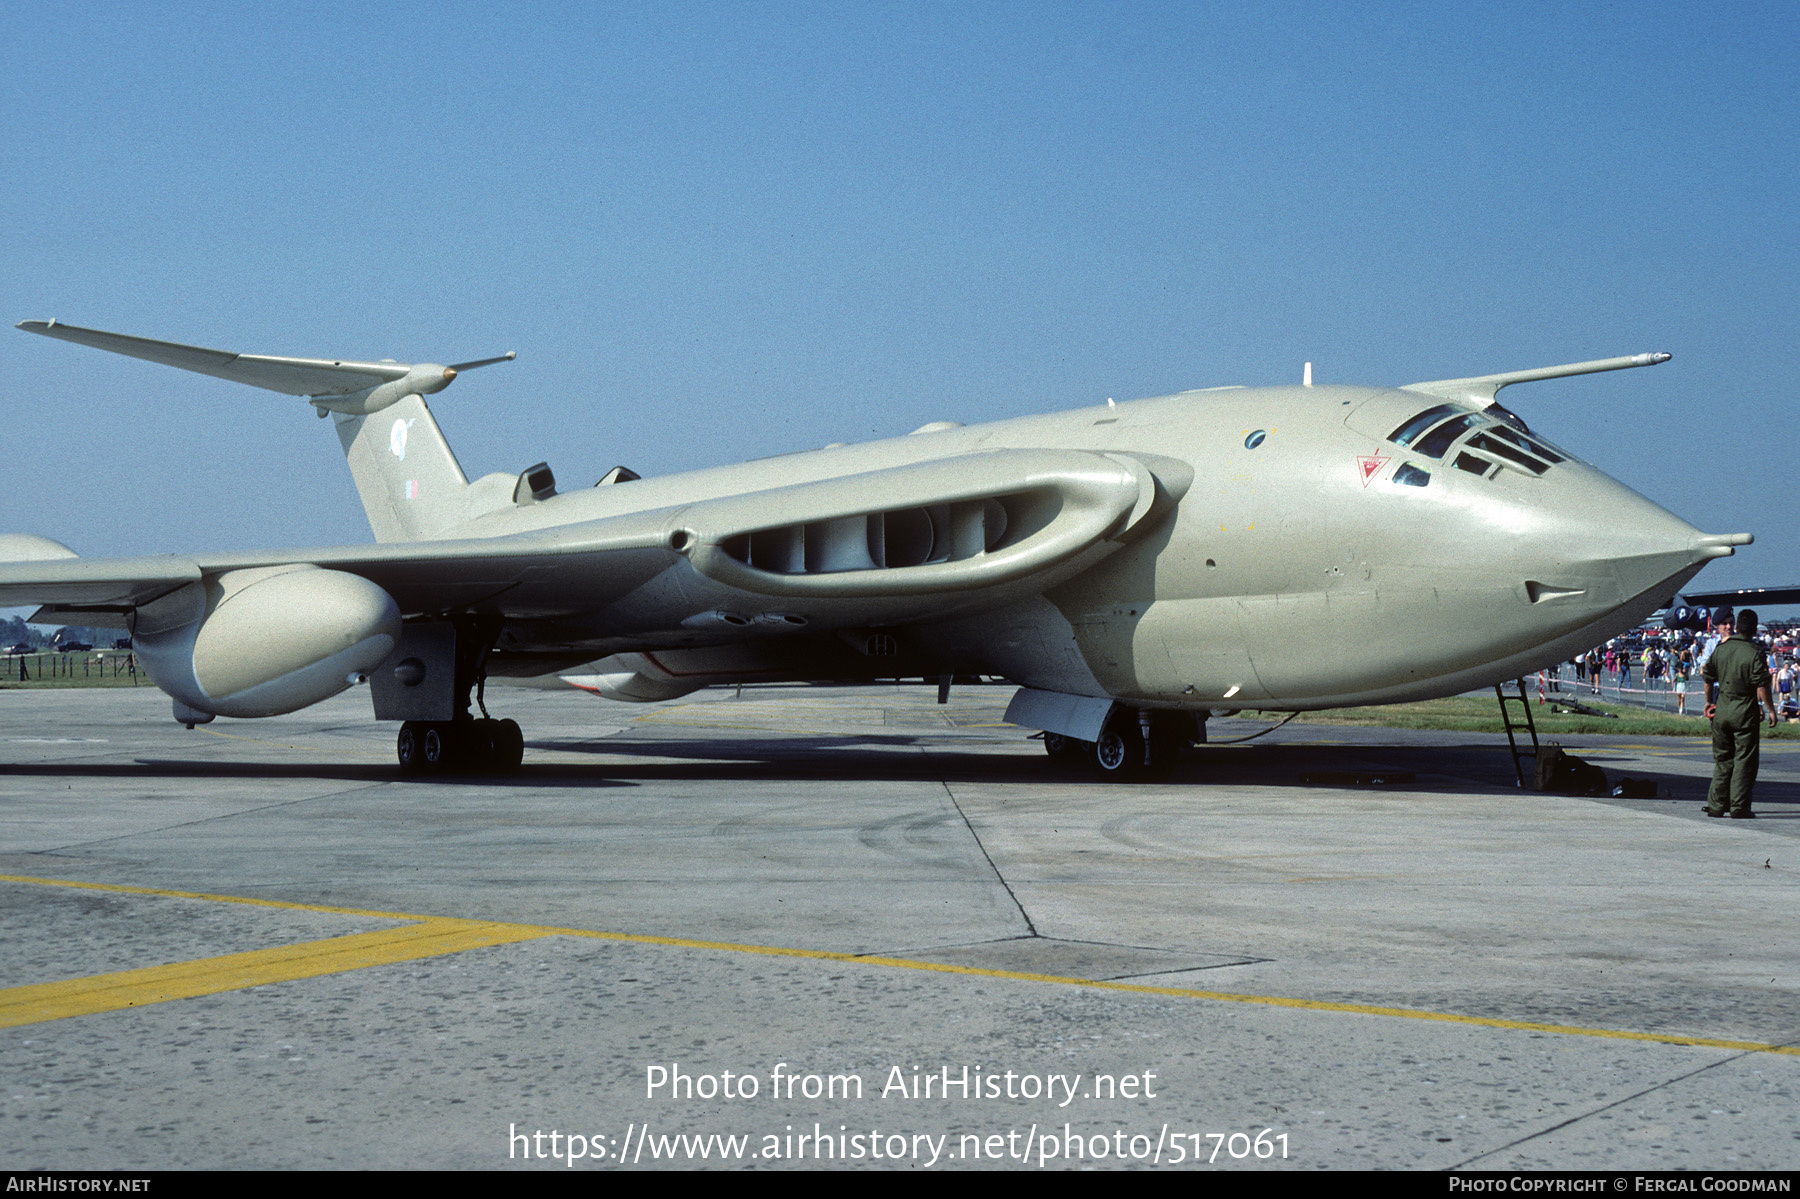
column 717, row 231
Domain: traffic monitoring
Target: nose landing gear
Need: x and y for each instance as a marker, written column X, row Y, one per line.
column 1135, row 745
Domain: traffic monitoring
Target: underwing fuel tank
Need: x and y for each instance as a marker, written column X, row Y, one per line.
column 264, row 641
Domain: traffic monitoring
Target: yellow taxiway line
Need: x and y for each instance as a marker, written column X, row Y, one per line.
column 433, row 936
column 236, row 971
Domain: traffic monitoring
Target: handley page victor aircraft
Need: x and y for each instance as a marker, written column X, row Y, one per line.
column 1132, row 567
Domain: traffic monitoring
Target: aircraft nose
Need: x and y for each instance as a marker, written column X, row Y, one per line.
column 1638, row 573
column 1619, row 546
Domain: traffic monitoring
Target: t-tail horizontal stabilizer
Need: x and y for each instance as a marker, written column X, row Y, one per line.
column 1480, row 390
column 334, row 384
column 409, row 481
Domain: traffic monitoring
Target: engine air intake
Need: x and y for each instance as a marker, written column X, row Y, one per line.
column 896, row 538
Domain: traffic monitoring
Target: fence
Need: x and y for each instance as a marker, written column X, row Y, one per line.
column 31, row 668
column 1655, row 694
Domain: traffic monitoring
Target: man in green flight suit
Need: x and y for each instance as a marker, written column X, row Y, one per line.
column 1737, row 687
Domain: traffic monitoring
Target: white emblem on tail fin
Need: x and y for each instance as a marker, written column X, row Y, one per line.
column 397, row 438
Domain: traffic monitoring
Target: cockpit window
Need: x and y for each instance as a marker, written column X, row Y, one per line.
column 1405, row 433
column 1493, row 445
column 1472, row 464
column 1527, row 444
column 1501, row 412
column 1494, row 432
column 1434, row 443
column 1411, row 476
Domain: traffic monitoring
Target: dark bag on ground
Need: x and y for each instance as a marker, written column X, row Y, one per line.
column 1565, row 774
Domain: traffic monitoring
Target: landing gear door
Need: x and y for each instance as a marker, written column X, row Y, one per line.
column 418, row 680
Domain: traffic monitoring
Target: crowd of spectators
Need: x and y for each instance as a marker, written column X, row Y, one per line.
column 1661, row 664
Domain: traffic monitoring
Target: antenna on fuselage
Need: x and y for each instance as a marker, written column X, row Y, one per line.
column 1306, row 376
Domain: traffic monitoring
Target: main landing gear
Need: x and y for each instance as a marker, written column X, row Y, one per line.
column 1135, row 745
column 482, row 746
column 467, row 743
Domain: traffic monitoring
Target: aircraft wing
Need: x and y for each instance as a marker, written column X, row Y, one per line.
column 1748, row 595
column 421, row 576
column 114, row 584
column 902, row 543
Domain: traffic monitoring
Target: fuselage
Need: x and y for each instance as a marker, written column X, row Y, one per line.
column 1337, row 546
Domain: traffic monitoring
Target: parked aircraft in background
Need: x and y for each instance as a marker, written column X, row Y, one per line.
column 1760, row 596
column 1132, row 567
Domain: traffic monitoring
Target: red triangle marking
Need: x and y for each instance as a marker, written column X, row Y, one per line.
column 1371, row 465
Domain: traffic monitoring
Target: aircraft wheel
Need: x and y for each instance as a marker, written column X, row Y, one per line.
column 509, row 745
column 1118, row 756
column 1064, row 750
column 478, row 741
column 409, row 747
column 437, row 747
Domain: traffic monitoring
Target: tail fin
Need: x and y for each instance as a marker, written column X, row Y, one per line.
column 409, row 481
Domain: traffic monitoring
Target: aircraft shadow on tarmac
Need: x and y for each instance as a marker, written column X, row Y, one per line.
column 1443, row 768
column 1477, row 768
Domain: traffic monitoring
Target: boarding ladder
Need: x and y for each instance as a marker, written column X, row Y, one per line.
column 1514, row 727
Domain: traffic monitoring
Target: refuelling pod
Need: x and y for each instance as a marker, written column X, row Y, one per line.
column 635, row 679
column 264, row 642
